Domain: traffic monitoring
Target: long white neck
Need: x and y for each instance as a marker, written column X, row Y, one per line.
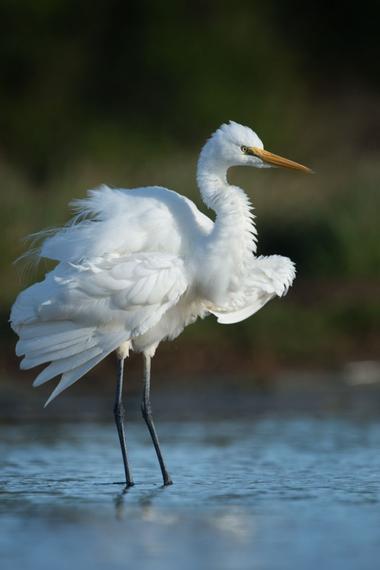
column 232, row 242
column 234, row 220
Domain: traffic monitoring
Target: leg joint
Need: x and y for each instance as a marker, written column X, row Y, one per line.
column 146, row 409
column 118, row 410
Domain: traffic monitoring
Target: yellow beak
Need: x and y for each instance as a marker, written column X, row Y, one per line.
column 276, row 160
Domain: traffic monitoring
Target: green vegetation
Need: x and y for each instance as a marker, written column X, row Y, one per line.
column 126, row 94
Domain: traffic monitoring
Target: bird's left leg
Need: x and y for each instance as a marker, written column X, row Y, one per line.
column 147, row 415
column 118, row 411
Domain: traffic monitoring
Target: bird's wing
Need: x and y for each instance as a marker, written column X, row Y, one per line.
column 81, row 313
column 127, row 221
column 132, row 291
column 266, row 278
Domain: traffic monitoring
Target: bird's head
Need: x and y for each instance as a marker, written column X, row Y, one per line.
column 235, row 145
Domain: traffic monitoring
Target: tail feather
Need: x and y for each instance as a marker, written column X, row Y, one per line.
column 43, row 343
column 31, row 330
column 63, row 365
column 70, row 377
column 70, row 348
column 54, row 353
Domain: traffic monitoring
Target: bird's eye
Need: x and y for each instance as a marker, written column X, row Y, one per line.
column 244, row 149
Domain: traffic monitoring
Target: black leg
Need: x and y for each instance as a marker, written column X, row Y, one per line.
column 118, row 411
column 147, row 415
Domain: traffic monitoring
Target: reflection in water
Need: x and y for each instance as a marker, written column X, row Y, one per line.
column 276, row 492
column 119, row 503
column 145, row 501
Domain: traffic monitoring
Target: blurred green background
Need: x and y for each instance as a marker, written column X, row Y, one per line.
column 125, row 93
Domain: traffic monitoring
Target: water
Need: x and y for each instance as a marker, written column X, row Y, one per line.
column 275, row 492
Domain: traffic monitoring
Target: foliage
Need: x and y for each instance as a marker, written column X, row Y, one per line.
column 125, row 93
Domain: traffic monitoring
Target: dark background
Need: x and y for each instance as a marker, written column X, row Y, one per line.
column 126, row 93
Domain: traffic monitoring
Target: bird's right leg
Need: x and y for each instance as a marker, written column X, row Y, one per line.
column 118, row 411
column 147, row 415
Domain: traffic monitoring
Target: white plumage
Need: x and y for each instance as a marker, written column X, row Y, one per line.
column 137, row 265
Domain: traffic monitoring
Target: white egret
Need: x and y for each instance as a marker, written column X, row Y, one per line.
column 136, row 266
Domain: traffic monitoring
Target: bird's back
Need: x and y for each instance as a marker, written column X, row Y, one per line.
column 123, row 221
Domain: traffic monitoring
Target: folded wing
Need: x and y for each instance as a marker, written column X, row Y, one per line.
column 82, row 312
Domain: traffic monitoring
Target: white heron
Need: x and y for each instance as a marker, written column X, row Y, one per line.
column 136, row 266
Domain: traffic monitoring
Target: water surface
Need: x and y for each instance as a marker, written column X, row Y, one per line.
column 275, row 492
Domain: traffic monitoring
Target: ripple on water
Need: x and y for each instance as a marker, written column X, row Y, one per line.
column 270, row 493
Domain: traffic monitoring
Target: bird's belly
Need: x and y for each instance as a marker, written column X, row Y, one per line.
column 170, row 325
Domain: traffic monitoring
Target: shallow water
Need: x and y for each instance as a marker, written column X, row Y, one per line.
column 275, row 492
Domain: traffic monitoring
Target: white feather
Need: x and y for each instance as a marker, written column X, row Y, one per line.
column 136, row 266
